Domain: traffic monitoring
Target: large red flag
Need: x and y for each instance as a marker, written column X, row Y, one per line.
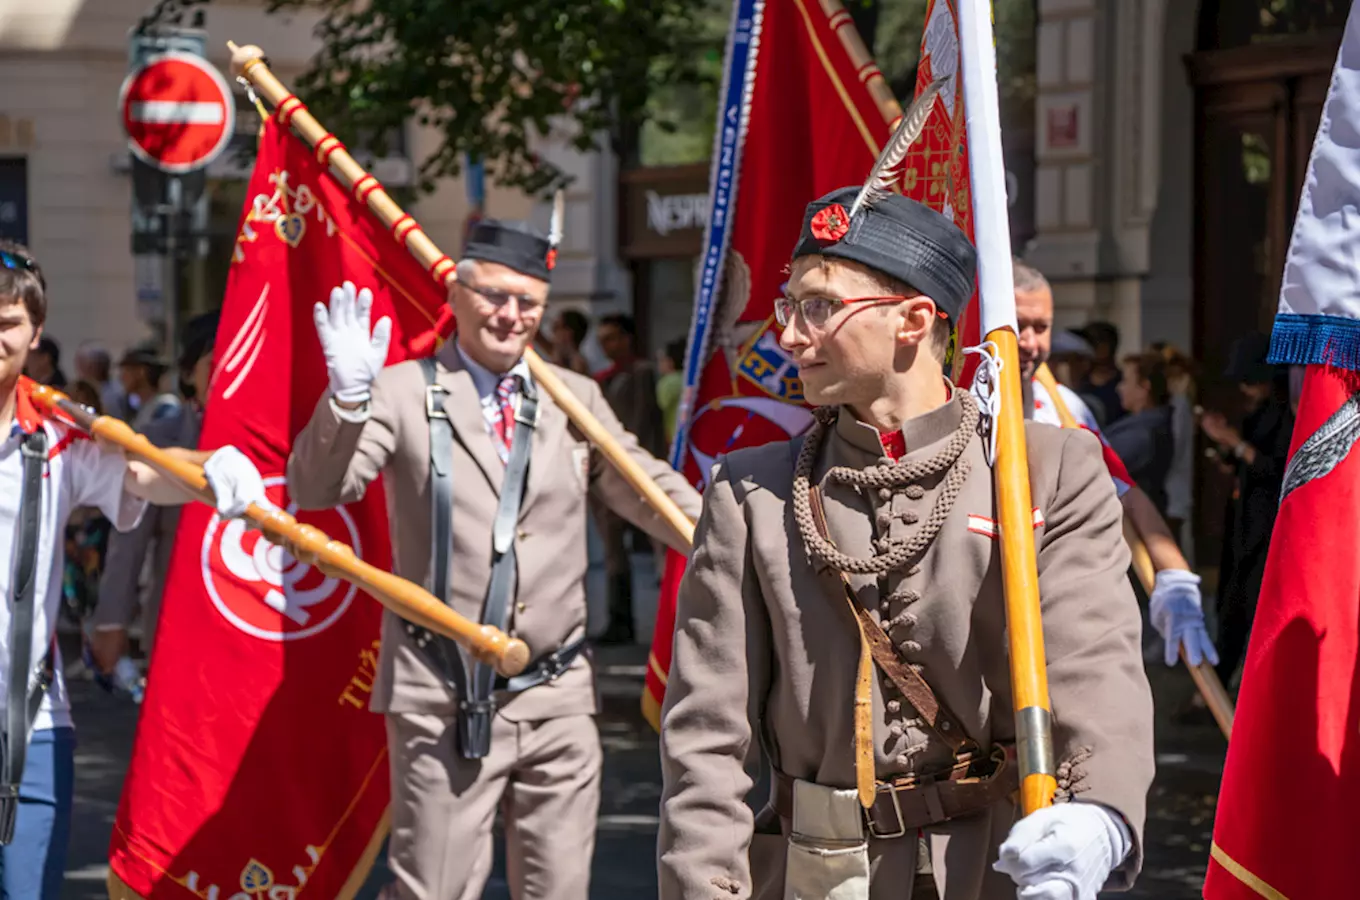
column 1285, row 825
column 796, row 119
column 258, row 768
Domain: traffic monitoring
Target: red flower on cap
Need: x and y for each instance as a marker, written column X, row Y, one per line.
column 551, row 259
column 830, row 224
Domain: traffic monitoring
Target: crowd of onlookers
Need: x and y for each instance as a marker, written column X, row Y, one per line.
column 1147, row 404
column 111, row 583
column 1150, row 411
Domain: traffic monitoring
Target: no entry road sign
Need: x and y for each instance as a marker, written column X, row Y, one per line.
column 178, row 112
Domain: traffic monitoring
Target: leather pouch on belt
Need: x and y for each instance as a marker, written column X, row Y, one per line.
column 828, row 849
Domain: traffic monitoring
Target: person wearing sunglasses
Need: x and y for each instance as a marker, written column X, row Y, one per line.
column 843, row 612
column 488, row 483
column 46, row 471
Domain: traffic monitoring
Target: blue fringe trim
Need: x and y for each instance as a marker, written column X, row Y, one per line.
column 1316, row 341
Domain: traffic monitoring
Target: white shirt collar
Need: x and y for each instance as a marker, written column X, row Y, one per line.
column 486, row 380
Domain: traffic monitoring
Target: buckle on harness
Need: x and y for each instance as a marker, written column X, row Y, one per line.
column 434, row 408
column 901, row 828
column 9, row 812
column 553, row 667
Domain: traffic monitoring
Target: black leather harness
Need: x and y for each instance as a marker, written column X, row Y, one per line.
column 23, row 703
column 474, row 682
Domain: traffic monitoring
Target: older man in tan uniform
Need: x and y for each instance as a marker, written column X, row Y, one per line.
column 881, row 520
column 497, row 526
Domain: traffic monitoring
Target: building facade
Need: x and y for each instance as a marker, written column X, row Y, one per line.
column 66, row 174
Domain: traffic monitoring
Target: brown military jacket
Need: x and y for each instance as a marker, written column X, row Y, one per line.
column 766, row 651
column 334, row 461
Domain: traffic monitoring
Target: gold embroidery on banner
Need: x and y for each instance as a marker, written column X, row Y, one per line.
column 360, row 684
column 1240, row 872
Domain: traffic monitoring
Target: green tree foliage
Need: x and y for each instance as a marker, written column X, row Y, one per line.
column 490, row 75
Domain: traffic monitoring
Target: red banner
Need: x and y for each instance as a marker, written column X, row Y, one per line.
column 937, row 165
column 1294, row 756
column 258, row 768
column 813, row 127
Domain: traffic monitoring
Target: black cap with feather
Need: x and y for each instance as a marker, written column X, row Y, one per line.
column 906, row 240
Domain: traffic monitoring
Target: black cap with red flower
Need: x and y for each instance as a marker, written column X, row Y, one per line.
column 897, row 236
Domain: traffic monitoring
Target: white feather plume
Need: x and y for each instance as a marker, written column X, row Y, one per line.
column 884, row 174
column 558, row 213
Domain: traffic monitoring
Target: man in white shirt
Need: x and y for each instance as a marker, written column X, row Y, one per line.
column 69, row 471
column 1175, row 607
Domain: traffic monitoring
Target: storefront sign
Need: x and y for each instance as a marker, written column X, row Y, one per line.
column 665, row 211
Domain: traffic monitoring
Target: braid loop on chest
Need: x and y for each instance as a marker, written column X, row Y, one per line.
column 900, row 474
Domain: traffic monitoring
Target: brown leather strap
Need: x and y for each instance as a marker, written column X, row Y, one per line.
column 911, row 803
column 914, row 687
column 866, row 770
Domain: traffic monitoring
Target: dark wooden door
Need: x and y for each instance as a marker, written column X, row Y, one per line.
column 1257, row 109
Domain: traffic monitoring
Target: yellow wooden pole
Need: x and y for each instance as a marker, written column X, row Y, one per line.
column 248, row 63
column 1204, row 675
column 1020, row 578
column 307, row 544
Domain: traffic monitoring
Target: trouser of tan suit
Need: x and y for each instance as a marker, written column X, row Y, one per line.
column 543, row 776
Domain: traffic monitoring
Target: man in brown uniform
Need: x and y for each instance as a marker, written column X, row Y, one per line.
column 891, row 493
column 486, row 484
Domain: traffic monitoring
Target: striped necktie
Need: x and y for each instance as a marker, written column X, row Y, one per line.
column 505, row 425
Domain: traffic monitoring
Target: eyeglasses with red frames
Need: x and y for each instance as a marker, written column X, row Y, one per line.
column 817, row 311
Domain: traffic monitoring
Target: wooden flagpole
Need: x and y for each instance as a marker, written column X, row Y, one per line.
column 309, row 545
column 248, row 63
column 1029, row 673
column 1204, row 675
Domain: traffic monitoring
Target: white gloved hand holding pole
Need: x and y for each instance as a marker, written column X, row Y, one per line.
column 235, row 482
column 354, row 357
column 1177, row 613
column 1064, row 852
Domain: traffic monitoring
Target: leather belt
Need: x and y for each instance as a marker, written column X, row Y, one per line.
column 545, row 669
column 916, row 801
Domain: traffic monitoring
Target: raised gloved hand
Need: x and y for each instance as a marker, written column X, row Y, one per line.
column 1177, row 614
column 353, row 356
column 235, row 482
column 1064, row 852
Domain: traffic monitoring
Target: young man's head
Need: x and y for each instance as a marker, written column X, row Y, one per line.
column 617, row 335
column 672, row 357
column 44, row 361
column 1144, row 383
column 869, row 303
column 501, row 292
column 93, row 364
column 1104, row 340
column 1033, row 317
column 140, row 371
column 569, row 331
column 23, row 310
column 195, row 360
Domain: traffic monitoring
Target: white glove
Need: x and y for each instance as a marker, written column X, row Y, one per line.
column 1064, row 852
column 1177, row 614
column 353, row 357
column 235, row 482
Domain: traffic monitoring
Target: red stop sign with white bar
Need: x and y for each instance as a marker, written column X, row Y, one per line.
column 178, row 112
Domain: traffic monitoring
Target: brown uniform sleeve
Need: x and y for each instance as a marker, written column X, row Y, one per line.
column 1102, row 706
column 334, row 460
column 612, row 489
column 718, row 678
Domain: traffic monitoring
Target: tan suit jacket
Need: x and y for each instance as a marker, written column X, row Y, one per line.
column 766, row 651
column 334, row 461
